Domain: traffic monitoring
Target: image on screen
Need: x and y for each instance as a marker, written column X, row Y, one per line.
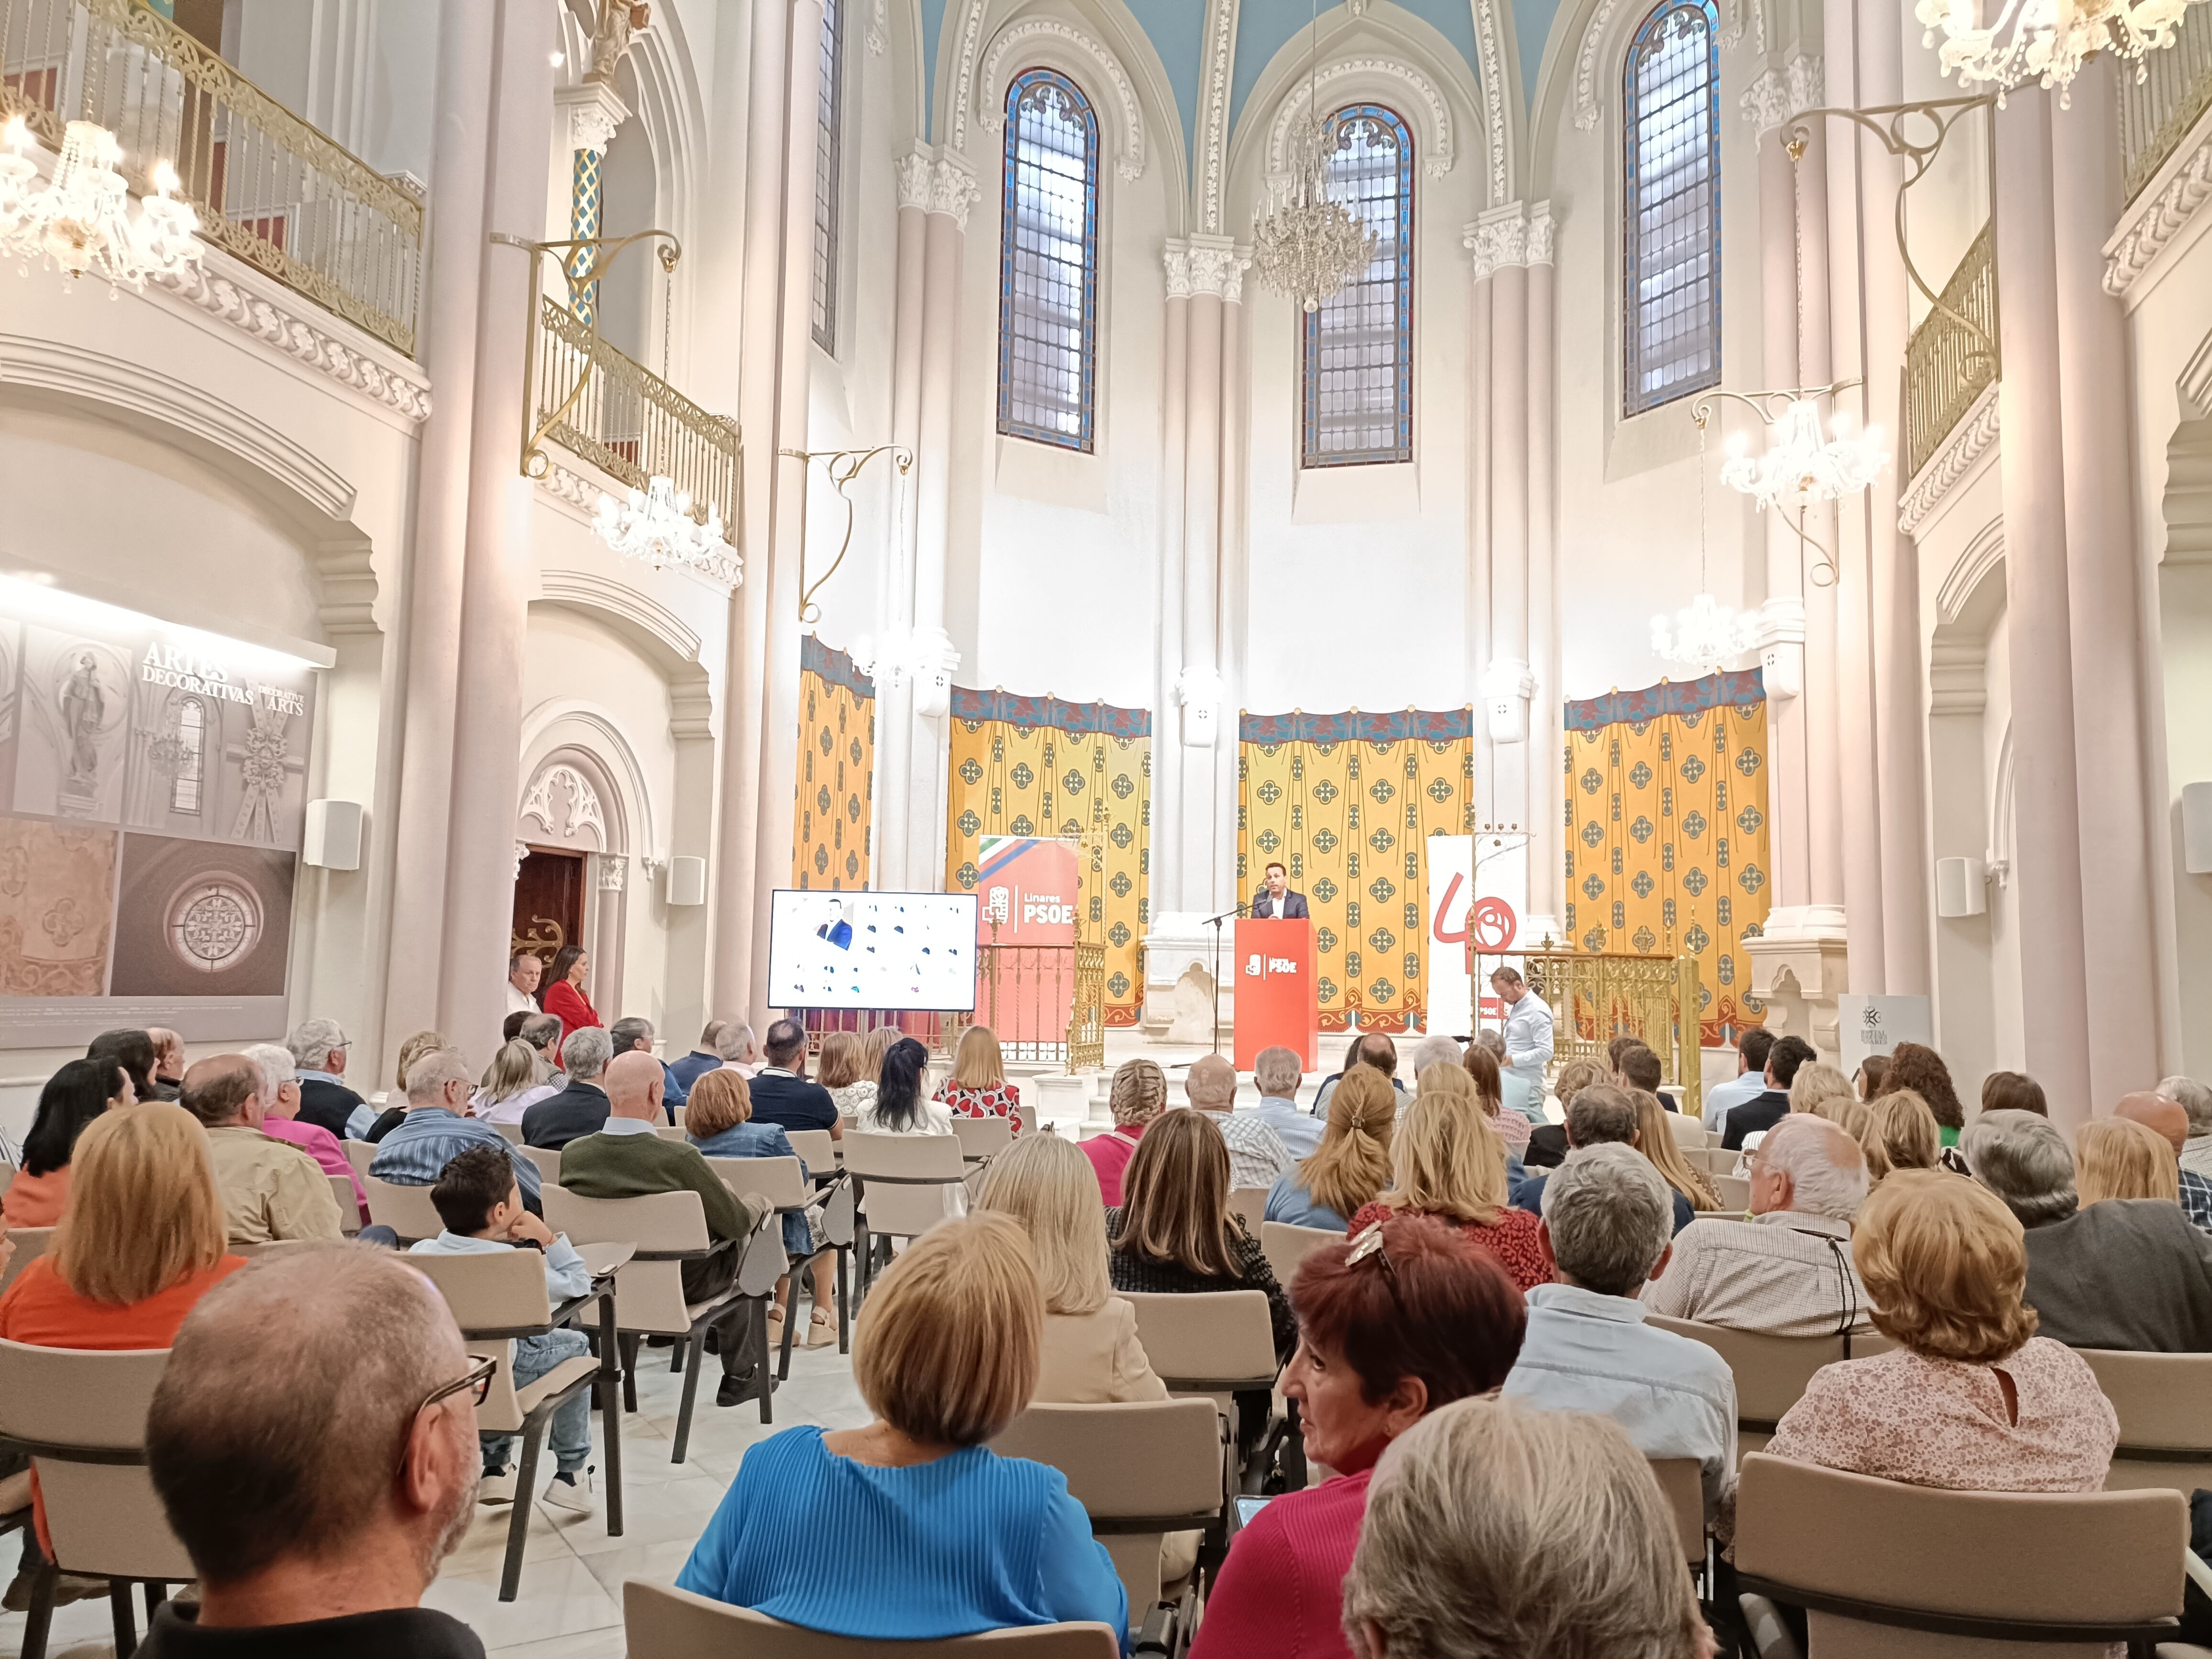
column 905, row 950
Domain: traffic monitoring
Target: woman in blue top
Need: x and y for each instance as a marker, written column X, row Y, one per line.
column 1352, row 1166
column 717, row 1121
column 951, row 1539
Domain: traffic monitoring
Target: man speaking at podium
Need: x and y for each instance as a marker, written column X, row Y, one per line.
column 1276, row 903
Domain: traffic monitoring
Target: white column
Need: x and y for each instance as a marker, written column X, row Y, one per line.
column 1165, row 957
column 1499, row 242
column 1547, row 737
column 1200, row 690
column 1232, row 621
column 1477, row 618
column 1815, row 359
column 893, row 856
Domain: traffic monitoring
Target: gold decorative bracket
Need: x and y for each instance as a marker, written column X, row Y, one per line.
column 842, row 466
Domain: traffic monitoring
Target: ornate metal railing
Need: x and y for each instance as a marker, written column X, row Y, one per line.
column 2157, row 113
column 1019, row 992
column 1949, row 365
column 1596, row 996
column 269, row 187
column 627, row 420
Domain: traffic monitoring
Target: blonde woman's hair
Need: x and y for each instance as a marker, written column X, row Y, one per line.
column 512, row 1069
column 1655, row 1139
column 721, row 1099
column 841, row 1060
column 1944, row 1263
column 1448, row 1161
column 1900, row 1133
column 1851, row 1116
column 1817, row 1085
column 949, row 1342
column 1445, row 1077
column 1048, row 1186
column 1174, row 1196
column 2117, row 1157
column 878, row 1043
column 143, row 1212
column 1139, row 1092
column 1352, row 1165
column 422, row 1043
column 1575, row 1076
column 975, row 1062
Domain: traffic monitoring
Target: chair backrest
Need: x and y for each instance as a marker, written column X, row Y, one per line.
column 1682, row 1484
column 1251, row 1204
column 1770, row 1372
column 1152, row 1458
column 349, row 1204
column 1734, row 1191
column 671, row 1132
column 817, row 1148
column 7, row 1176
column 1211, row 1341
column 360, row 1154
column 406, row 1209
column 493, row 1291
column 658, row 1221
column 1026, row 1116
column 2165, row 1406
column 837, row 1226
column 1287, row 1246
column 673, row 1624
column 1687, row 1131
column 31, row 1243
column 982, row 1137
column 548, row 1160
column 775, row 1179
column 510, row 1133
column 913, row 1156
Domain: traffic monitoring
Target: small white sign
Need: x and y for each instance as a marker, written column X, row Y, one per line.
column 1876, row 1025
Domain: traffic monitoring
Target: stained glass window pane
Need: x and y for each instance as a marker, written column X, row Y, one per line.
column 1671, row 334
column 1360, row 345
column 1048, row 263
column 827, row 146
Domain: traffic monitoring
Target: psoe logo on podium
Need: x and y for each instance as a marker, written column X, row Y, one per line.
column 1257, row 966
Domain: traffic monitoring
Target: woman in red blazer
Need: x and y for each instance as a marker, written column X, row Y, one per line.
column 563, row 996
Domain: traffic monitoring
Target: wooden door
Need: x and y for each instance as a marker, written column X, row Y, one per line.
column 548, row 902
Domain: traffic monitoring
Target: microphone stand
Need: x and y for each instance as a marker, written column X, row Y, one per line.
column 1214, row 922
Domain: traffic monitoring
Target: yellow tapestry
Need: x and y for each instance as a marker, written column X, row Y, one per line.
column 833, row 815
column 1347, row 803
column 1037, row 766
column 1666, row 842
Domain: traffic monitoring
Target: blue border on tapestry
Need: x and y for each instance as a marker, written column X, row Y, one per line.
column 1030, row 713
column 1443, row 725
column 1735, row 688
column 833, row 665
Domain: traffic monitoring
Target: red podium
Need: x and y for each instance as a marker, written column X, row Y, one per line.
column 1276, row 1004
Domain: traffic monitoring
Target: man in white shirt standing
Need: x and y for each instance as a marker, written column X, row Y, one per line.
column 524, row 970
column 1751, row 1050
column 1528, row 1034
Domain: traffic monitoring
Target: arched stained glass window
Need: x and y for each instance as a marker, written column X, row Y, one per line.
column 828, row 158
column 192, row 751
column 1358, row 379
column 1671, row 238
column 1048, row 263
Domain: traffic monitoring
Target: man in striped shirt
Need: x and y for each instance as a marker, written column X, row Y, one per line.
column 438, row 1129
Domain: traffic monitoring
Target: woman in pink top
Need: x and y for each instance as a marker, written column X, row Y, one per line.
column 280, row 1096
column 1139, row 1094
column 1398, row 1320
column 74, row 1097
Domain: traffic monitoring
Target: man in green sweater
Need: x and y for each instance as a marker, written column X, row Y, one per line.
column 628, row 1159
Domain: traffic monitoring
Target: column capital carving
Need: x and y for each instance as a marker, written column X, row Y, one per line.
column 613, row 873
column 914, row 171
column 1783, row 91
column 935, row 183
column 1214, row 267
column 1517, row 233
column 594, row 114
column 1174, row 260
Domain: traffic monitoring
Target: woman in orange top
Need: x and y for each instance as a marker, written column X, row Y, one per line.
column 73, row 1097
column 140, row 1242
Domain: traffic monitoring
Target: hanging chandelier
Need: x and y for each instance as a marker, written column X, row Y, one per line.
column 1306, row 245
column 1704, row 634
column 2044, row 40
column 656, row 525
column 1803, row 467
column 82, row 220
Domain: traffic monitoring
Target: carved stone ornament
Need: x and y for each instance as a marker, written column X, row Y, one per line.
column 992, row 116
column 1438, row 155
column 1515, row 234
column 2158, row 218
column 563, row 799
column 594, row 116
column 613, row 873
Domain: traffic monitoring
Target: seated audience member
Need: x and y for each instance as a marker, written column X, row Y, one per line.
column 1277, row 1074
column 280, row 1116
column 1090, row 1355
column 1546, row 1146
column 717, row 1121
column 739, row 1049
column 581, row 1108
column 270, row 1189
column 74, row 1097
column 1138, row 1095
column 978, row 1086
column 1257, row 1155
column 2017, row 1091
column 2196, row 1101
column 1393, row 1325
column 168, row 1061
column 314, row 1442
column 2116, row 1158
column 634, row 1034
column 2168, row 1120
column 1352, row 1164
column 780, row 1093
column 543, row 1033
column 1605, row 1232
column 900, row 1109
column 1763, row 1111
column 959, row 1539
column 1868, row 1079
column 510, row 1029
column 435, row 1129
column 1448, row 1163
column 1375, row 1050
column 422, row 1043
column 626, row 1158
column 1916, row 1066
column 1655, row 1139
column 319, row 1052
column 1511, row 1127
column 1495, row 1530
column 1751, row 1050
column 843, row 1071
column 1174, row 1232
column 1600, row 1114
column 1638, row 1068
column 1900, row 1133
column 132, row 1049
column 510, row 1085
column 1447, row 1079
column 1820, row 1090
column 1435, row 1049
column 2123, row 1273
column 481, row 1208
column 1787, row 1270
column 701, row 1060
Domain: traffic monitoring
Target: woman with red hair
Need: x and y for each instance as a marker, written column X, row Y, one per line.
column 1406, row 1315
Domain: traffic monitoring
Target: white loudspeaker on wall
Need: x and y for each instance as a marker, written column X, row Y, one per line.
column 1961, row 887
column 687, row 881
column 2196, row 828
column 331, row 837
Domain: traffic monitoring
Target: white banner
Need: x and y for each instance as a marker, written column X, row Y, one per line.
column 1876, row 1025
column 1477, row 892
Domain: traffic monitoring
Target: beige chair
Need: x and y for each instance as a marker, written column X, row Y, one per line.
column 817, row 1150
column 31, row 1243
column 360, row 1154
column 2165, row 1406
column 980, row 1137
column 1026, row 1116
column 1713, row 1160
column 901, row 1182
column 406, row 1209
column 510, row 1133
column 1287, row 1246
column 1682, row 1483
column 778, row 1181
column 672, row 1624
column 1891, row 1571
column 1734, row 1191
column 349, row 1204
column 671, row 1132
column 548, row 1160
column 668, row 1229
column 1689, row 1134
column 1249, row 1206
column 81, row 1416
column 1141, row 1471
column 1216, row 1345
column 494, row 1297
column 1770, row 1372
column 7, row 1176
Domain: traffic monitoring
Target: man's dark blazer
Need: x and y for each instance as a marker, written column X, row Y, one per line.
column 1263, row 908
column 580, row 1109
column 326, row 1105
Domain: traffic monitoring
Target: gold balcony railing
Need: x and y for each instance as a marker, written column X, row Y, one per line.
column 2157, row 113
column 1596, row 996
column 268, row 187
column 1947, row 366
column 1019, row 990
column 627, row 420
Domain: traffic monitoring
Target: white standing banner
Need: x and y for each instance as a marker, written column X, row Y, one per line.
column 1875, row 1026
column 1477, row 890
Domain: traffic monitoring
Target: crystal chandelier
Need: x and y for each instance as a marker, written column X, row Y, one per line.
column 656, row 525
column 2044, row 40
column 1307, row 244
column 1704, row 634
column 1803, row 467
column 82, row 219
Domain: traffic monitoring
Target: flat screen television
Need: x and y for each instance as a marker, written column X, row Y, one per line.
column 901, row 951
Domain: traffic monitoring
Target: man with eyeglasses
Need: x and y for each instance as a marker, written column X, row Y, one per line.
column 314, row 1441
column 319, row 1052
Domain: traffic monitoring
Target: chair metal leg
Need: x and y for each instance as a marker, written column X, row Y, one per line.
column 526, row 1499
column 126, row 1623
column 611, row 1432
column 676, row 1357
column 790, row 1325
column 844, row 1299
column 42, row 1612
column 756, row 1339
column 630, row 1346
column 697, row 1341
column 155, row 1592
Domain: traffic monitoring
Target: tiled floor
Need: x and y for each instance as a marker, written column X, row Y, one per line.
column 569, row 1606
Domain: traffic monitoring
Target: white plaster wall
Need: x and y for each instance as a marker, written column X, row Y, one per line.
column 2005, row 1041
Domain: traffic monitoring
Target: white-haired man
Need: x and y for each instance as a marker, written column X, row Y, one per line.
column 1788, row 1271
column 2194, row 1099
column 437, row 1129
column 739, row 1048
column 280, row 1102
column 318, row 1050
column 581, row 1108
column 1277, row 1074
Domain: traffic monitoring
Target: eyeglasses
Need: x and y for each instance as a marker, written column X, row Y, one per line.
column 477, row 1381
